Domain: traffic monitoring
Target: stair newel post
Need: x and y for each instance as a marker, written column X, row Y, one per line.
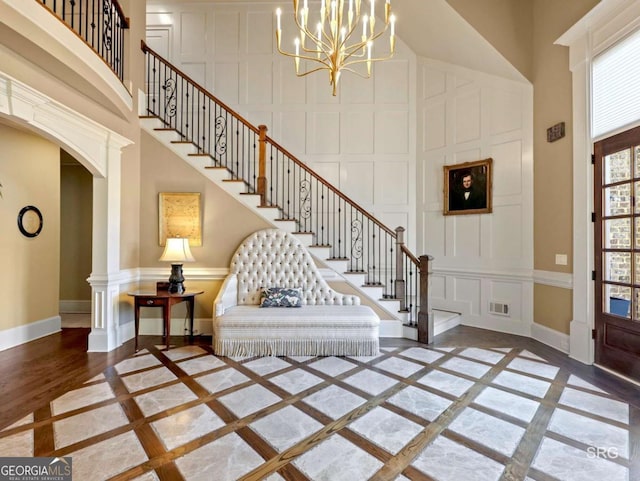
column 400, row 282
column 425, row 320
column 262, row 166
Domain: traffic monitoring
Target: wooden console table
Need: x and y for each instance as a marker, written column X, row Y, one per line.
column 165, row 300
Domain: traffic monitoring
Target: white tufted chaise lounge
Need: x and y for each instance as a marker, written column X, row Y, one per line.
column 327, row 324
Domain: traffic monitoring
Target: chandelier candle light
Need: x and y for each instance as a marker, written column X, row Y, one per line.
column 337, row 42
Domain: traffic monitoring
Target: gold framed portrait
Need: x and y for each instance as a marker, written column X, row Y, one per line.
column 179, row 216
column 467, row 188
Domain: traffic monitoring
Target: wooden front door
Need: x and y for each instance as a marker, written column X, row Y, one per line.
column 617, row 252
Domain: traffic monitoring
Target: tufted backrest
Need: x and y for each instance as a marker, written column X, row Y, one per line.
column 276, row 258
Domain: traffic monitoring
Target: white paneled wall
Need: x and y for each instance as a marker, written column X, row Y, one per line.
column 463, row 116
column 363, row 140
column 383, row 142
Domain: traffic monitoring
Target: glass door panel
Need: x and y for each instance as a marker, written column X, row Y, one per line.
column 617, row 233
column 617, row 200
column 617, row 167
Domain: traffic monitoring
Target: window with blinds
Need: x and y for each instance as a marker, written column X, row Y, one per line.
column 616, row 87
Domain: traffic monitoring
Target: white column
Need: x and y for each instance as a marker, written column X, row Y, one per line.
column 581, row 344
column 104, row 279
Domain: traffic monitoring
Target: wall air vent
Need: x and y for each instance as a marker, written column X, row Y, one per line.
column 499, row 308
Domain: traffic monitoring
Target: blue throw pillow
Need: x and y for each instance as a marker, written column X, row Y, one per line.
column 281, row 297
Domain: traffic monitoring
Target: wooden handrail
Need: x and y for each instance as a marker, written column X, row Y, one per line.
column 294, row 159
column 121, row 13
column 197, row 86
column 326, row 183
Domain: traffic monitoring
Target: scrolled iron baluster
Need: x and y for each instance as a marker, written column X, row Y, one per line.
column 356, row 239
column 170, row 103
column 221, row 135
column 305, row 199
column 107, row 33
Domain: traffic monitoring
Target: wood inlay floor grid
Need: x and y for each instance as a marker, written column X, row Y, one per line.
column 413, row 412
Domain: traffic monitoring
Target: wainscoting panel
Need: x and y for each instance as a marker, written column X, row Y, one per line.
column 388, row 176
column 357, row 180
column 479, row 258
column 196, row 70
column 259, row 33
column 226, row 33
column 259, row 87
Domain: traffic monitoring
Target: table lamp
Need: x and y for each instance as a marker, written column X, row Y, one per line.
column 176, row 251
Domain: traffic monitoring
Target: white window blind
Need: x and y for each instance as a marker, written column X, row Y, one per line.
column 616, row 86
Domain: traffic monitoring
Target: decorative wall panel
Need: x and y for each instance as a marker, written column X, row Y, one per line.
column 434, row 83
column 467, row 117
column 260, row 33
column 192, row 34
column 357, row 130
column 388, row 177
column 324, row 133
column 293, row 127
column 434, row 121
column 391, row 79
column 225, row 82
column 356, row 181
column 226, row 33
column 507, row 171
column 259, row 89
column 391, row 132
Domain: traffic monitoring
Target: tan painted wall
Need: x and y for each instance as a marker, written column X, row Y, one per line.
column 135, row 10
column 225, row 221
column 553, row 199
column 506, row 24
column 29, row 173
column 541, row 23
column 553, row 307
column 76, row 204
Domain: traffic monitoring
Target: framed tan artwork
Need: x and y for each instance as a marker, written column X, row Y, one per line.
column 467, row 188
column 179, row 216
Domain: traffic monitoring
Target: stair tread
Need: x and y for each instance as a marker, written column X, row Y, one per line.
column 199, row 155
column 163, row 129
column 320, row 245
column 214, row 167
column 338, row 259
column 355, row 272
column 233, row 180
column 181, row 142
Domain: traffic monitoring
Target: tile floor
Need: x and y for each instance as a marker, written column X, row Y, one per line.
column 446, row 414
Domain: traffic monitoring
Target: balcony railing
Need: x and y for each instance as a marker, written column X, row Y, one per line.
column 100, row 23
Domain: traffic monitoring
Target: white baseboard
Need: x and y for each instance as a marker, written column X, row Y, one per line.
column 19, row 335
column 550, row 337
column 444, row 320
column 70, row 306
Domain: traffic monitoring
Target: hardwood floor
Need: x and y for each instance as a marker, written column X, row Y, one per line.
column 505, row 387
column 40, row 371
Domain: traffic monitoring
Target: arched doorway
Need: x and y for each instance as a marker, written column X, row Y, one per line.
column 99, row 150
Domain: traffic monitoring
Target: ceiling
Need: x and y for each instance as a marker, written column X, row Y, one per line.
column 432, row 29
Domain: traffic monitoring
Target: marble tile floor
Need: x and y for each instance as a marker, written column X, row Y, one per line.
column 410, row 413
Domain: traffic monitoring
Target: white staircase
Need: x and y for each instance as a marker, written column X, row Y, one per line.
column 391, row 324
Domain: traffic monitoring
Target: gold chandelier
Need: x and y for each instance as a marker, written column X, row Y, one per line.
column 341, row 39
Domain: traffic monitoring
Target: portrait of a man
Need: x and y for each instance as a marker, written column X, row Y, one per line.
column 468, row 188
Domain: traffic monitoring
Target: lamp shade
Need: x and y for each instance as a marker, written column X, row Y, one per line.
column 177, row 250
